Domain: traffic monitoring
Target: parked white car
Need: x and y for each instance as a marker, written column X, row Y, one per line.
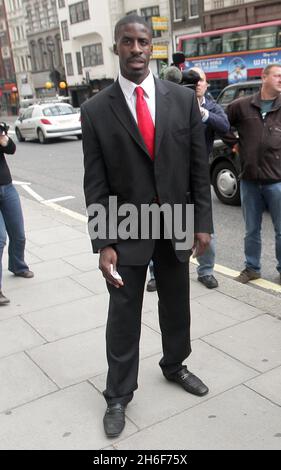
column 48, row 120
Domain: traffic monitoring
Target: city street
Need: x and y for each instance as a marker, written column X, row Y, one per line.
column 55, row 170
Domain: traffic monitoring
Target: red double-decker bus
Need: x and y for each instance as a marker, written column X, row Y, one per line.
column 234, row 54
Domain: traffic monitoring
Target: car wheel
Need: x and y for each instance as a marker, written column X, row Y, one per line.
column 19, row 136
column 41, row 137
column 226, row 183
column 79, row 136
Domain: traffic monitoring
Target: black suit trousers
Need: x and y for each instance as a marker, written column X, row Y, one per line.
column 124, row 321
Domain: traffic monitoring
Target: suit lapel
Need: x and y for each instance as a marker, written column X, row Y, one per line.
column 124, row 115
column 162, row 112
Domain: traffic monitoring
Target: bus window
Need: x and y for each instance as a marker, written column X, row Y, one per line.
column 215, row 45
column 279, row 37
column 234, row 42
column 262, row 38
column 189, row 47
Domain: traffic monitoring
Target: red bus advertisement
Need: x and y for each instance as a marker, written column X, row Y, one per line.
column 234, row 54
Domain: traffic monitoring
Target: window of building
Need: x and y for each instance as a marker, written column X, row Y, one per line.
column 178, row 10
column 193, row 8
column 79, row 63
column 29, row 21
column 64, row 30
column 68, row 64
column 79, row 12
column 92, row 55
column 61, row 3
column 148, row 13
column 46, row 19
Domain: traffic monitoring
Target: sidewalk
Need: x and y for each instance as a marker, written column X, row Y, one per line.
column 53, row 364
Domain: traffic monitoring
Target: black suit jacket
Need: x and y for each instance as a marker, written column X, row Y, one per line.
column 117, row 162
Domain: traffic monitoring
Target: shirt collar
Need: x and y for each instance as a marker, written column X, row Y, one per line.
column 129, row 87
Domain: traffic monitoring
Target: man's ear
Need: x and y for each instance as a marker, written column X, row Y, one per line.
column 115, row 49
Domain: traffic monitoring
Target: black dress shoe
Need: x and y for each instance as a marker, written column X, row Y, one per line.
column 209, row 281
column 189, row 382
column 151, row 286
column 114, row 420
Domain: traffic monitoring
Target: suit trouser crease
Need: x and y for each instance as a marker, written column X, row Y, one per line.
column 124, row 321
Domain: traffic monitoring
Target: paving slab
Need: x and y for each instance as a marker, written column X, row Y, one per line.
column 204, row 320
column 92, row 280
column 218, row 370
column 16, row 335
column 229, row 307
column 268, row 385
column 60, row 250
column 44, row 271
column 255, row 342
column 84, row 261
column 70, row 419
column 38, row 222
column 70, row 318
column 77, row 358
column 31, row 298
column 51, row 235
column 21, row 381
column 238, row 419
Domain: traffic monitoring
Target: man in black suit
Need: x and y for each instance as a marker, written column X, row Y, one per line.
column 143, row 143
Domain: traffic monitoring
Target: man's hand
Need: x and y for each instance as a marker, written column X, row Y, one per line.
column 235, row 149
column 4, row 139
column 201, row 243
column 108, row 257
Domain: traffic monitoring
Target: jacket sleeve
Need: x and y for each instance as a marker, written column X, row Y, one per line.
column 218, row 120
column 200, row 174
column 96, row 186
column 230, row 138
column 10, row 148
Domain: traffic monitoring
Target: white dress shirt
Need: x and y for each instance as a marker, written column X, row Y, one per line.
column 128, row 89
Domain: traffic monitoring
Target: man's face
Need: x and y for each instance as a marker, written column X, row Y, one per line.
column 272, row 81
column 202, row 85
column 134, row 48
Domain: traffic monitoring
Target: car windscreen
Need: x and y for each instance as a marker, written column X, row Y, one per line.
column 58, row 110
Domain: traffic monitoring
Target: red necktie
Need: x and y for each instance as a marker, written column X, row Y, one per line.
column 145, row 122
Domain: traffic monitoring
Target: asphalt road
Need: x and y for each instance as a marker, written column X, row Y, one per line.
column 56, row 170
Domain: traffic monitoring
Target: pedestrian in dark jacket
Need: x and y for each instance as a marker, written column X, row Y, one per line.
column 257, row 119
column 11, row 218
column 215, row 123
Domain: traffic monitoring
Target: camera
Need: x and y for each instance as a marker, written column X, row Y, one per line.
column 190, row 78
column 3, row 128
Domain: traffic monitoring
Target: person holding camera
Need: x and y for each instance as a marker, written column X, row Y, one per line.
column 11, row 217
column 215, row 122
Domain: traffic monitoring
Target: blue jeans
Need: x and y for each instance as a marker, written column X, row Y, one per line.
column 207, row 260
column 11, row 220
column 255, row 198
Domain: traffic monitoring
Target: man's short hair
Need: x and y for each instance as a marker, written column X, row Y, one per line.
column 131, row 19
column 267, row 69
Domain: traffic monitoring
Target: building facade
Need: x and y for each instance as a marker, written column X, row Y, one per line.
column 44, row 42
column 219, row 14
column 8, row 86
column 186, row 18
column 87, row 32
column 16, row 22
